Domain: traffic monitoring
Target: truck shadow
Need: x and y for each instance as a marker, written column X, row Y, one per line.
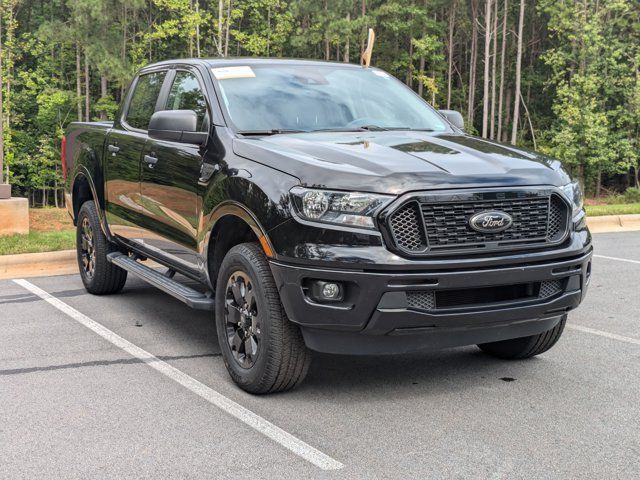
column 344, row 376
column 334, row 378
column 417, row 374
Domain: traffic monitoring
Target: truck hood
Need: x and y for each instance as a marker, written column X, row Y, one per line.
column 399, row 162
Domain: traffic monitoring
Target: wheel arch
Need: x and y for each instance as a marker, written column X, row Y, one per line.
column 231, row 224
column 83, row 189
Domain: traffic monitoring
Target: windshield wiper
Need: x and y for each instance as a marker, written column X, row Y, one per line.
column 338, row 129
column 363, row 128
column 409, row 129
column 372, row 128
column 273, row 131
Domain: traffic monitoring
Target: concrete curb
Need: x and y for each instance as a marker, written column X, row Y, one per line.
column 43, row 264
column 614, row 223
column 38, row 264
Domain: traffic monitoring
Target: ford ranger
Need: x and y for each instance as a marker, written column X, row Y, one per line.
column 316, row 206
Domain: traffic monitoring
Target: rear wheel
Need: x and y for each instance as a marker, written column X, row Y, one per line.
column 99, row 276
column 263, row 351
column 525, row 347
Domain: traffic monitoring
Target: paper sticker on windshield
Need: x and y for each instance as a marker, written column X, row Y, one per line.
column 226, row 73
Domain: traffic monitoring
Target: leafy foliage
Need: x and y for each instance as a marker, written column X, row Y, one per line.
column 580, row 66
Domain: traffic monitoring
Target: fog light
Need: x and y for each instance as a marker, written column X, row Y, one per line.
column 327, row 291
column 331, row 290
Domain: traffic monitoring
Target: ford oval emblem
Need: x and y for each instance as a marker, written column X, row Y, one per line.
column 492, row 221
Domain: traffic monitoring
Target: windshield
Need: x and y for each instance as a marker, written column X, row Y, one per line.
column 281, row 98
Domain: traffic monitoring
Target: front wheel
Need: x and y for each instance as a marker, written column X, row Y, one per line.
column 99, row 276
column 263, row 351
column 525, row 347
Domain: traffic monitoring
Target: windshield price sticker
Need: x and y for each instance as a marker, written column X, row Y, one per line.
column 226, row 73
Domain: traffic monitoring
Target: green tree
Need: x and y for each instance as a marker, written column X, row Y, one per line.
column 579, row 78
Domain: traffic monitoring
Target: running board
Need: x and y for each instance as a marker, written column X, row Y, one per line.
column 193, row 298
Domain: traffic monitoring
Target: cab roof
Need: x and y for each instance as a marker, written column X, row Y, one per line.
column 231, row 61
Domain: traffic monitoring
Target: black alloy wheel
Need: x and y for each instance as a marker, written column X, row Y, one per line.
column 98, row 275
column 242, row 319
column 87, row 249
column 263, row 351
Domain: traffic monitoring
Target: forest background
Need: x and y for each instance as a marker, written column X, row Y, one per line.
column 558, row 76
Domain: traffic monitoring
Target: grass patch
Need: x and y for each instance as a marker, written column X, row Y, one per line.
column 622, row 209
column 38, row 242
column 50, row 230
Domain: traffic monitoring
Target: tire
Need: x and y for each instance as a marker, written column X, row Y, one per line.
column 263, row 351
column 525, row 347
column 99, row 276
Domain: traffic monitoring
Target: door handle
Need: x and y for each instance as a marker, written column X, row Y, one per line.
column 113, row 149
column 150, row 160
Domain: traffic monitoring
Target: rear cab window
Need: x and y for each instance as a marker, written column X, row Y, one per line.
column 143, row 101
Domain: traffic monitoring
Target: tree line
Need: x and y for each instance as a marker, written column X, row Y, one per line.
column 558, row 76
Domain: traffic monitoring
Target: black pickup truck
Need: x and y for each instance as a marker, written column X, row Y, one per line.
column 329, row 208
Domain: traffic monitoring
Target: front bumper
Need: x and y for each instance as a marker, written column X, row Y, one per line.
column 376, row 316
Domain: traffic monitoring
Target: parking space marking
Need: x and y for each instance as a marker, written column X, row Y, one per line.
column 275, row 433
column 602, row 333
column 618, row 259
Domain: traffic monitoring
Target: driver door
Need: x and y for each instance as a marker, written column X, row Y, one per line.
column 169, row 178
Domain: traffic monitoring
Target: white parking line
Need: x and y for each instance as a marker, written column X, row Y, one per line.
column 602, row 333
column 618, row 259
column 234, row 409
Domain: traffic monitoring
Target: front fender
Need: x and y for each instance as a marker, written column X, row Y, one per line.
column 238, row 210
column 255, row 193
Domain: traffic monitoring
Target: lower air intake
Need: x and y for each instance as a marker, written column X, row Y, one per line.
column 550, row 288
column 421, row 300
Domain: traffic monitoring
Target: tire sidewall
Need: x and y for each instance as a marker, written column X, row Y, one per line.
column 234, row 261
column 87, row 211
column 107, row 278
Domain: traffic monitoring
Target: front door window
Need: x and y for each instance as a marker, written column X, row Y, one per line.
column 186, row 94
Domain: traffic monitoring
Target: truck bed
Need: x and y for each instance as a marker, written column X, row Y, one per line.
column 86, row 139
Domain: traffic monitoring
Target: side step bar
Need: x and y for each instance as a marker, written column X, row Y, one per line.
column 193, row 298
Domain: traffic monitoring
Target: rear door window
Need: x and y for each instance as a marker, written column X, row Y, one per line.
column 143, row 101
column 186, row 94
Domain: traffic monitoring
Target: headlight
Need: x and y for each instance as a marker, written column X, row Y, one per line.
column 574, row 194
column 342, row 208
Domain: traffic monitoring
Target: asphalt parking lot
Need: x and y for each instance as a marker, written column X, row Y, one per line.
column 132, row 386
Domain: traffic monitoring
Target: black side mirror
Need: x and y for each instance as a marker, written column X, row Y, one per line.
column 454, row 117
column 176, row 126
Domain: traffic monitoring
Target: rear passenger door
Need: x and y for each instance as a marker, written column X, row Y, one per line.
column 169, row 185
column 123, row 149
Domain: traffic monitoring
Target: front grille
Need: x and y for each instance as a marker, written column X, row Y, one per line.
column 557, row 218
column 428, row 224
column 429, row 300
column 407, row 228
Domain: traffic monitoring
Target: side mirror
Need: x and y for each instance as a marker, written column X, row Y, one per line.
column 176, row 126
column 454, row 117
